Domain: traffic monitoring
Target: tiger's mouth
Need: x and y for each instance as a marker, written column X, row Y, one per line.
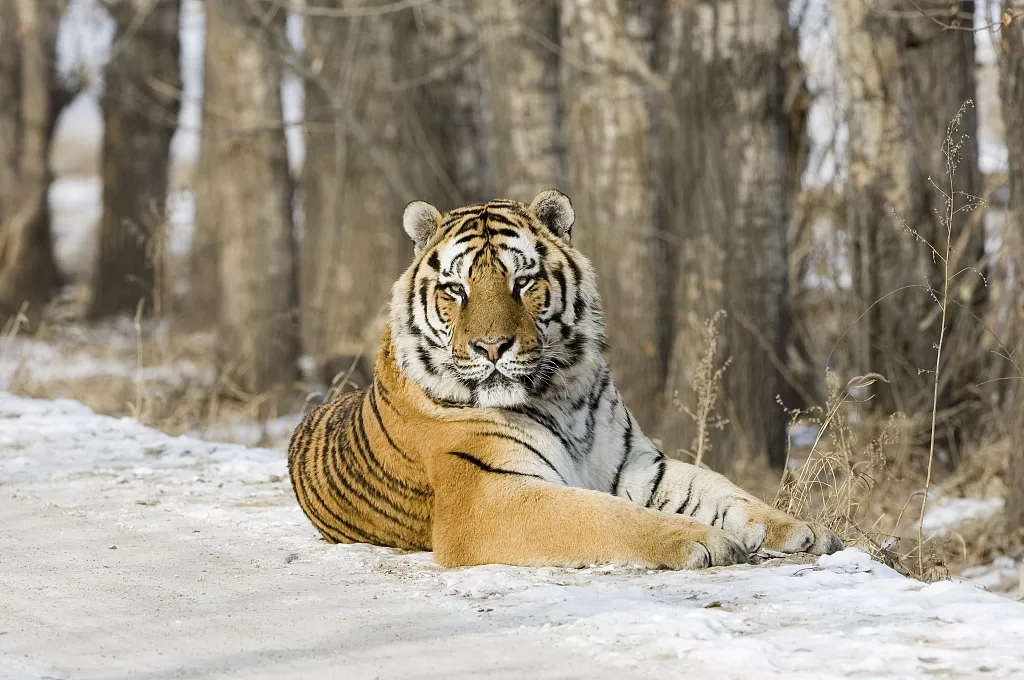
column 489, row 376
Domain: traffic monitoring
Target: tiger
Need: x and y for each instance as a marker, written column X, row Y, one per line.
column 492, row 431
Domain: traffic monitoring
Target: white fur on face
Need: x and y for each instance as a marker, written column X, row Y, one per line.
column 478, row 381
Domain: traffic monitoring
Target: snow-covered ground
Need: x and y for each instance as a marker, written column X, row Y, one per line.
column 129, row 553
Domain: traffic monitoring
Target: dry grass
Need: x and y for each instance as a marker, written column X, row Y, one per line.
column 139, row 368
column 850, row 486
column 706, row 386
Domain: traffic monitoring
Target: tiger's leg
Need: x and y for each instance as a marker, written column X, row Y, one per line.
column 485, row 514
column 650, row 479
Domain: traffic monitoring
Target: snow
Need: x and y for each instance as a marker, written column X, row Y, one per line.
column 137, row 554
column 947, row 513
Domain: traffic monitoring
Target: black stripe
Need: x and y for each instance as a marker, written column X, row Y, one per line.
column 548, row 424
column 657, row 481
column 492, row 216
column 466, row 238
column 715, row 518
column 305, row 502
column 380, row 421
column 366, row 537
column 528, row 446
column 369, row 455
column 681, row 510
column 487, row 468
column 627, row 444
column 424, row 356
column 579, row 306
column 466, row 210
column 378, row 495
column 332, row 482
column 595, row 403
column 559, row 277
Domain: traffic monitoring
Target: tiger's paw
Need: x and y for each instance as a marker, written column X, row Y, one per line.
column 715, row 548
column 773, row 530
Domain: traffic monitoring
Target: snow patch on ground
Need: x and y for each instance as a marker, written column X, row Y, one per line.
column 141, row 553
column 947, row 513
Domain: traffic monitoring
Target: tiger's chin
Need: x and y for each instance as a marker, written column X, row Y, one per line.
column 507, row 395
column 500, row 391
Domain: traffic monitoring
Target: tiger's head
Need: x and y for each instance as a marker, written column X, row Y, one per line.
column 497, row 307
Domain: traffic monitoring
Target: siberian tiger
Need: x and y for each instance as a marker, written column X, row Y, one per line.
column 492, row 431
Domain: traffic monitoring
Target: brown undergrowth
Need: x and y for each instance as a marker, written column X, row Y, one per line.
column 140, row 368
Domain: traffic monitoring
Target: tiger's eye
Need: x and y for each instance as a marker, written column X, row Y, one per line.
column 455, row 290
column 523, row 282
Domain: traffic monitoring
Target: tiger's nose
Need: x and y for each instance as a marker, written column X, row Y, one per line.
column 492, row 349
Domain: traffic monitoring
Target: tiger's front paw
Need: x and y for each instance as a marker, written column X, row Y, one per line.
column 714, row 548
column 775, row 530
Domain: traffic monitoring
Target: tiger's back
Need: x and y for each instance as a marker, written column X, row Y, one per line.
column 353, row 480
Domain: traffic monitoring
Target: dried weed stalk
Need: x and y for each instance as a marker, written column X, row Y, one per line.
column 707, row 381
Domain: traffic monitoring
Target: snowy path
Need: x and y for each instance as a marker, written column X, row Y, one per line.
column 125, row 553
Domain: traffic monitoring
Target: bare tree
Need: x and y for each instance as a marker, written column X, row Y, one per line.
column 607, row 128
column 1011, row 91
column 521, row 83
column 245, row 159
column 31, row 99
column 728, row 220
column 140, row 111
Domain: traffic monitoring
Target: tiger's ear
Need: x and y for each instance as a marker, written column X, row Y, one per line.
column 420, row 220
column 554, row 209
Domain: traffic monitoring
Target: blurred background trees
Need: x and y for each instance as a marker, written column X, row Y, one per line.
column 780, row 161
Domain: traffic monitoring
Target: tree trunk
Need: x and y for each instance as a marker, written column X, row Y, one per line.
column 940, row 69
column 729, row 185
column 608, row 130
column 353, row 247
column 521, row 79
column 882, row 191
column 439, row 85
column 30, row 102
column 1011, row 91
column 140, row 110
column 411, row 81
column 245, row 158
column 200, row 307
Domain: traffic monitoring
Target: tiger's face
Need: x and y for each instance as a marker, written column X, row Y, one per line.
column 497, row 307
